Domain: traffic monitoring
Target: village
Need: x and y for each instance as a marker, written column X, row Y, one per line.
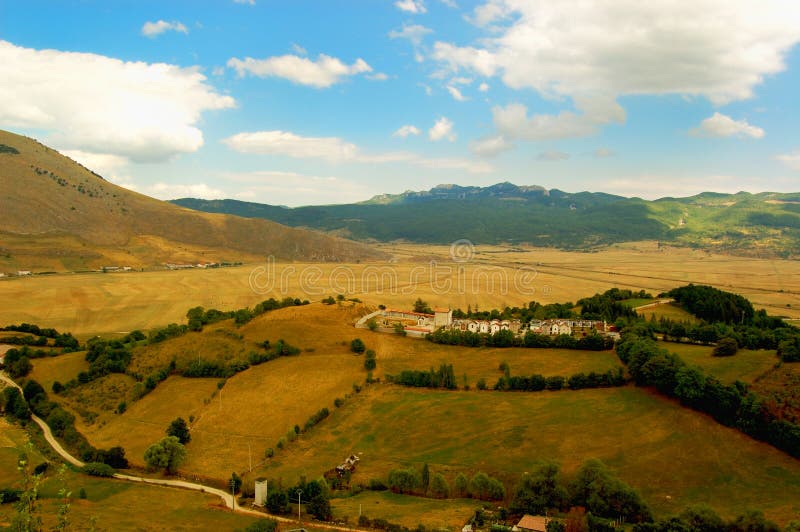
column 419, row 324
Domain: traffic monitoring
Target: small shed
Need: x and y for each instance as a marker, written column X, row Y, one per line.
column 261, row 493
column 532, row 523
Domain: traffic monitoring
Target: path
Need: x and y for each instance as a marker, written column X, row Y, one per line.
column 228, row 499
column 654, row 304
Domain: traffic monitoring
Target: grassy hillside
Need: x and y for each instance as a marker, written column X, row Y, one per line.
column 766, row 223
column 58, row 215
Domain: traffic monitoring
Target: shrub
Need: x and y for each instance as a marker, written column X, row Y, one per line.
column 82, row 493
column 98, row 469
column 357, row 346
column 726, row 347
column 376, row 484
column 370, row 361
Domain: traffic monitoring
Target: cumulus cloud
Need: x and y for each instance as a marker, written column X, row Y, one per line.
column 415, row 7
column 442, row 129
column 719, row 125
column 792, row 160
column 299, row 50
column 513, row 121
column 89, row 102
column 718, row 50
column 490, row 146
column 553, row 155
column 322, row 73
column 336, row 150
column 456, row 94
column 483, row 87
column 154, row 29
column 406, row 130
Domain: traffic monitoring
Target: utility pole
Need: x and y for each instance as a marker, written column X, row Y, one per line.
column 250, row 456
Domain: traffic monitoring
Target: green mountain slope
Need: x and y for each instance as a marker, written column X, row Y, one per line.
column 743, row 222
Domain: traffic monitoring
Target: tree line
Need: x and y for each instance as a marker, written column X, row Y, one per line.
column 505, row 338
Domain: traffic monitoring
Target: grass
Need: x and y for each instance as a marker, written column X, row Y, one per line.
column 405, row 510
column 61, row 368
column 670, row 311
column 113, row 505
column 746, row 365
column 639, row 435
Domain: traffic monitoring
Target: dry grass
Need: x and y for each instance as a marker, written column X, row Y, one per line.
column 406, row 510
column 669, row 311
column 94, row 303
column 674, row 456
column 61, row 368
column 746, row 365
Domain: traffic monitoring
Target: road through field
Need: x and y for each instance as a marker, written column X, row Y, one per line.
column 228, row 499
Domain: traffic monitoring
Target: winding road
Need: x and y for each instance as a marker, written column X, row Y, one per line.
column 228, row 499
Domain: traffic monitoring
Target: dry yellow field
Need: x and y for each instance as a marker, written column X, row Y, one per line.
column 494, row 277
column 60, row 368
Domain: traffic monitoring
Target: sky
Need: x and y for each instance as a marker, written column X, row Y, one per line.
column 299, row 102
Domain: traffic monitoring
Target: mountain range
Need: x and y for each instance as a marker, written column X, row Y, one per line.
column 766, row 223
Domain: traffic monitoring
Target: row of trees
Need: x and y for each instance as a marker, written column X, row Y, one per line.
column 444, row 377
column 536, row 382
column 506, row 338
column 732, row 405
column 423, row 482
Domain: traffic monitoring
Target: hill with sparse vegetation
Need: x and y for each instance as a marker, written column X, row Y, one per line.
column 59, row 215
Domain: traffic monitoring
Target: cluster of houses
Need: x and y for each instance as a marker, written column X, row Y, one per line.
column 201, row 265
column 419, row 324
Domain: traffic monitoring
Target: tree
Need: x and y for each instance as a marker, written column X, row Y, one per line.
column 370, row 360
column 404, row 480
column 235, row 482
column 753, row 521
column 539, row 491
column 27, row 518
column 262, row 525
column 399, row 329
column 460, row 485
column 180, row 430
column 320, row 507
column 426, row 477
column 726, row 347
column 357, row 346
column 439, row 488
column 278, row 502
column 422, row 306
column 167, row 454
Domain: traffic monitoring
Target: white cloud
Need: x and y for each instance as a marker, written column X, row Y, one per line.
column 553, row 155
column 483, row 87
column 248, row 2
column 490, row 146
column 299, row 50
column 154, row 29
column 456, row 94
column 93, row 103
column 719, row 125
column 718, row 50
column 293, row 189
column 792, row 160
column 378, row 76
column 413, row 32
column 461, row 81
column 218, row 71
column 332, row 149
column 322, row 73
column 336, row 150
column 411, row 6
column 167, row 191
column 406, row 130
column 449, row 3
column 105, row 164
column 426, row 88
column 442, row 129
column 513, row 122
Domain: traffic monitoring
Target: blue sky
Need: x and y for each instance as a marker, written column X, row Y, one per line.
column 299, row 102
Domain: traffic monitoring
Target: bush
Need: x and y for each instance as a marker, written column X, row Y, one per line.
column 98, row 469
column 262, row 525
column 82, row 493
column 370, row 361
column 376, row 484
column 726, row 347
column 180, row 430
column 357, row 346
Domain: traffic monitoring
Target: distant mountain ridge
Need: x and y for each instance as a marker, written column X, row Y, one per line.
column 57, row 215
column 763, row 223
